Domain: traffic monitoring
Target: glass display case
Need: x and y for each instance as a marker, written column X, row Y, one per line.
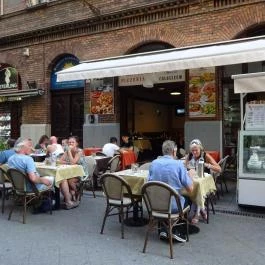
column 251, row 168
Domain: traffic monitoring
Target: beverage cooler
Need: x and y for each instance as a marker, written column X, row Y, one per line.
column 251, row 168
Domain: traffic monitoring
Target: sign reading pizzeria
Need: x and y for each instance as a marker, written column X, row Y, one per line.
column 202, row 93
column 8, row 77
column 102, row 96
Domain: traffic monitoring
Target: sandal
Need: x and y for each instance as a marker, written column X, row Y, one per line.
column 203, row 214
column 195, row 219
column 69, row 206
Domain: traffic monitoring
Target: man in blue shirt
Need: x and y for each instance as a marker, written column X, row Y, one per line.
column 173, row 173
column 22, row 161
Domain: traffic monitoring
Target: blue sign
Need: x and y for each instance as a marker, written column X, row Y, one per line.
column 66, row 62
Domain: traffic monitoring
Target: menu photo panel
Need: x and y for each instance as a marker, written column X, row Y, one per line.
column 202, row 93
column 102, row 96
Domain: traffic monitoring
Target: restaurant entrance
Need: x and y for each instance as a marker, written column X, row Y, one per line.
column 67, row 113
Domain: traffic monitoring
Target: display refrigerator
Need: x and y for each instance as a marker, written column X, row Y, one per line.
column 251, row 168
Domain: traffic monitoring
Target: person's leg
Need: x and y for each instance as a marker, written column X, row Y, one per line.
column 73, row 187
column 65, row 191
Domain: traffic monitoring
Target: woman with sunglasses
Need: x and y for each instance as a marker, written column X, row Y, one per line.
column 210, row 165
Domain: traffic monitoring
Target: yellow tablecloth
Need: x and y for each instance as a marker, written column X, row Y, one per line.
column 5, row 168
column 135, row 180
column 201, row 188
column 142, row 144
column 60, row 172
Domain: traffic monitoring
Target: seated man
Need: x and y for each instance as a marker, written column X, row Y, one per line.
column 22, row 160
column 173, row 173
column 126, row 143
column 111, row 148
column 54, row 149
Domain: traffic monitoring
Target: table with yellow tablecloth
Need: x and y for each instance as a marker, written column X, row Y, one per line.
column 135, row 179
column 201, row 188
column 60, row 172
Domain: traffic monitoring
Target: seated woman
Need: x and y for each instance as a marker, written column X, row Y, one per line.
column 210, row 165
column 43, row 143
column 74, row 155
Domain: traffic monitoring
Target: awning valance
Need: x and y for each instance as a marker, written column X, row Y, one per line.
column 14, row 94
column 249, row 83
column 216, row 54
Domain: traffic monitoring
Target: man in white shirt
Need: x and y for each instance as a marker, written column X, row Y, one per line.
column 54, row 148
column 111, row 148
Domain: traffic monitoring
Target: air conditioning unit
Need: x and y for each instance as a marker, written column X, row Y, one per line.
column 31, row 3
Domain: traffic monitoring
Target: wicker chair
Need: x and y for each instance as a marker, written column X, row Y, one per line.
column 5, row 186
column 19, row 181
column 158, row 198
column 114, row 188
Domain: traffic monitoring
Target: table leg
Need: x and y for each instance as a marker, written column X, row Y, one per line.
column 136, row 220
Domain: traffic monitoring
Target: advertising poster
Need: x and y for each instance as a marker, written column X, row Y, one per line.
column 202, row 93
column 102, row 96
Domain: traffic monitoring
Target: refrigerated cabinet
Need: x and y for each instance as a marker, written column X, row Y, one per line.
column 251, row 168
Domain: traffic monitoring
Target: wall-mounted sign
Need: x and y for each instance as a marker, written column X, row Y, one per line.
column 162, row 77
column 102, row 96
column 255, row 117
column 202, row 93
column 8, row 77
column 66, row 62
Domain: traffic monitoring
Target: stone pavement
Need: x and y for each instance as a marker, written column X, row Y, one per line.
column 73, row 237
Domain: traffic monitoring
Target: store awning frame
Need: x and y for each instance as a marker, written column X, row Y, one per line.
column 207, row 55
column 15, row 95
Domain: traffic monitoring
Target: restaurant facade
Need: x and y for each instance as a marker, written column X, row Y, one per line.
column 40, row 38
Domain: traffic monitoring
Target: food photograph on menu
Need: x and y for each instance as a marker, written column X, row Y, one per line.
column 202, row 93
column 102, row 96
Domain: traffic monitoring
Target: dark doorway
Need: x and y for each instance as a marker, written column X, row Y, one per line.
column 67, row 108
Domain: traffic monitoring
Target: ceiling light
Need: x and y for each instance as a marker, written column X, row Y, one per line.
column 175, row 93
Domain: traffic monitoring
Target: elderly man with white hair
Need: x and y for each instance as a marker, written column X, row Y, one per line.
column 172, row 172
column 22, row 160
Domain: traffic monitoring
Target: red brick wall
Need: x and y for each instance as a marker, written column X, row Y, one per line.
column 204, row 25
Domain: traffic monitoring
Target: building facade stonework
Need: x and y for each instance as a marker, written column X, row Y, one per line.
column 34, row 37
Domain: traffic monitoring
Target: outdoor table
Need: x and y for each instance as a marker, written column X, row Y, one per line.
column 135, row 181
column 202, row 187
column 59, row 172
column 90, row 150
column 40, row 157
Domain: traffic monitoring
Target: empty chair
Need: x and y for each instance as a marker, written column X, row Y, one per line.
column 19, row 182
column 158, row 197
column 219, row 177
column 100, row 153
column 145, row 166
column 89, row 166
column 114, row 164
column 5, row 187
column 114, row 188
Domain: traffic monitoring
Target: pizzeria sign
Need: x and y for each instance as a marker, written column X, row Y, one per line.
column 159, row 78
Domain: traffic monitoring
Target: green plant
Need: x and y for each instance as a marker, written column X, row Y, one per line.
column 3, row 144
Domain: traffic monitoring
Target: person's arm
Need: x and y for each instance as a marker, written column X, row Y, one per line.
column 74, row 160
column 36, row 179
column 211, row 164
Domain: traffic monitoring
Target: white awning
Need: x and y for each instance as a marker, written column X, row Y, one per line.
column 249, row 83
column 217, row 54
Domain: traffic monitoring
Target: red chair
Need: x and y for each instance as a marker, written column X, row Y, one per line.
column 90, row 150
column 215, row 155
